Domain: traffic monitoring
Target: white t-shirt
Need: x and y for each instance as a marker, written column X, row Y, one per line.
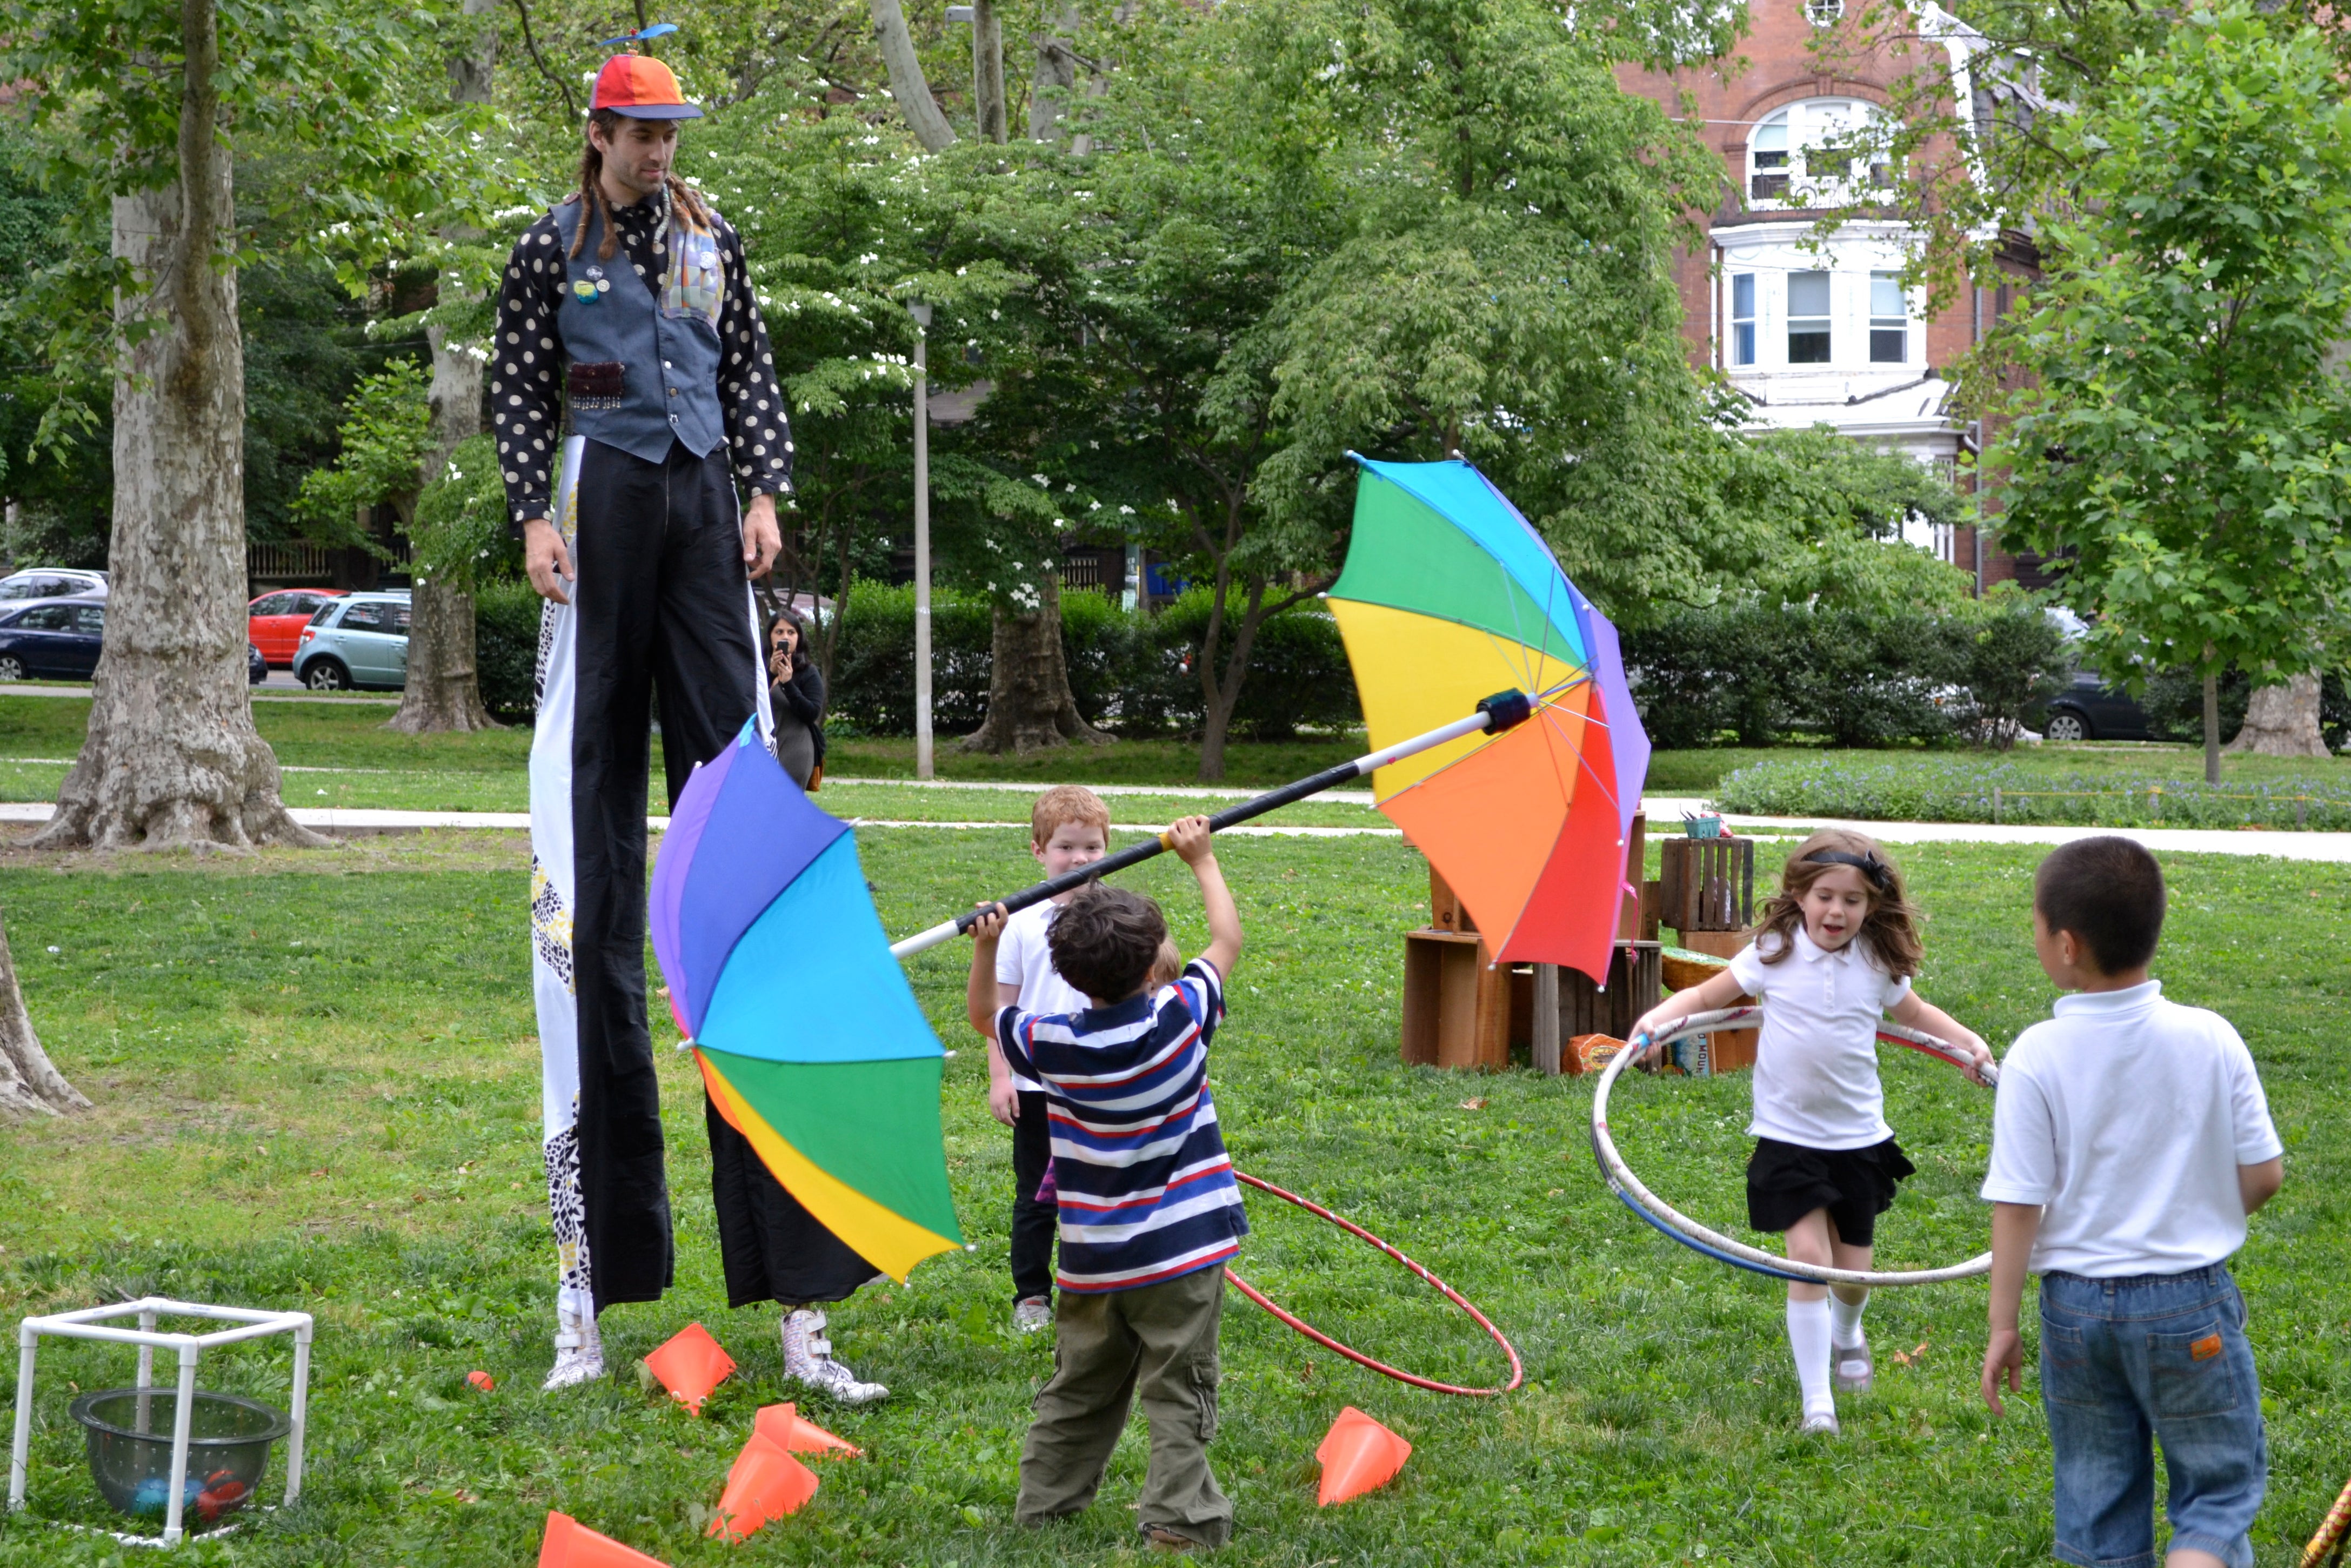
column 2126, row 1118
column 1816, row 1062
column 1023, row 958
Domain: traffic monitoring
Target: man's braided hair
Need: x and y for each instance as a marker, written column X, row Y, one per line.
column 683, row 201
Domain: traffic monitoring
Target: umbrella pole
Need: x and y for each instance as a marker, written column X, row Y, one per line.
column 1503, row 710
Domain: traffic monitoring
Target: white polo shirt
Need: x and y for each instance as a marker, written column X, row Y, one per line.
column 1024, row 959
column 1816, row 1061
column 2126, row 1118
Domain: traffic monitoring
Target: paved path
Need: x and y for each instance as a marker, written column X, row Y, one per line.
column 1664, row 810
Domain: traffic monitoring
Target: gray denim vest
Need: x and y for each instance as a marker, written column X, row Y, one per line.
column 667, row 346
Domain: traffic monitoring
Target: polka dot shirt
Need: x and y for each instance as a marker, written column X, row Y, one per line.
column 526, row 368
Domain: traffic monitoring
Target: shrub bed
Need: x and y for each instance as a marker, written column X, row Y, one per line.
column 1962, row 790
column 1130, row 672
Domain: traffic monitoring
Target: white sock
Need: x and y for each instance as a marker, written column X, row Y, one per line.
column 1845, row 1321
column 1807, row 1337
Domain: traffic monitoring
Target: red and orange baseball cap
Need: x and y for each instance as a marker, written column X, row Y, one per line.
column 642, row 88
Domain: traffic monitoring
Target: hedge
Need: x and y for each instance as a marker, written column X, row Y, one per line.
column 506, row 647
column 1854, row 677
column 1921, row 789
column 1130, row 671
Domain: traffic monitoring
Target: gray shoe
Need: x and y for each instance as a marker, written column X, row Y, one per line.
column 1821, row 1422
column 1854, row 1369
column 1032, row 1313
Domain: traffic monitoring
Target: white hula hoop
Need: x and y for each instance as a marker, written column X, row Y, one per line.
column 1721, row 1248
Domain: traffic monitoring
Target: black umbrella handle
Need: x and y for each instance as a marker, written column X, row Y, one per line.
column 1503, row 710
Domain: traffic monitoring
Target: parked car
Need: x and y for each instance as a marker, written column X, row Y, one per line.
column 256, row 669
column 56, row 640
column 274, row 620
column 2090, row 710
column 358, row 642
column 51, row 583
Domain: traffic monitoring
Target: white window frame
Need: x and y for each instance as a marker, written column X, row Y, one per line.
column 1777, row 172
column 1883, row 323
column 1743, row 327
column 1820, row 323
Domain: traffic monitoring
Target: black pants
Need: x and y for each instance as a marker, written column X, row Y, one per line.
column 1034, row 1224
column 774, row 1250
column 661, row 604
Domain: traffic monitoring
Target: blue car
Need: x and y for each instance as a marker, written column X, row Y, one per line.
column 256, row 669
column 355, row 642
column 55, row 640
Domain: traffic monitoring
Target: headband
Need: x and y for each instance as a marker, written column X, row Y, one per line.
column 1880, row 875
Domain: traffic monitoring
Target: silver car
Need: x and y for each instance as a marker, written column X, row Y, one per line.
column 356, row 642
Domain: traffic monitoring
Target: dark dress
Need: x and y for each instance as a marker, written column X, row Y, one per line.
column 798, row 705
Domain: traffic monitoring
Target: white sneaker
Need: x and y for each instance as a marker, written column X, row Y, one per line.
column 1031, row 1314
column 1823, row 1422
column 579, row 1351
column 1856, row 1370
column 808, row 1357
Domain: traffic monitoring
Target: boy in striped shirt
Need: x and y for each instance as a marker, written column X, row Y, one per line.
column 1148, row 1207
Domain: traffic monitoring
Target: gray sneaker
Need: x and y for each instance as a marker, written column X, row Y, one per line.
column 808, row 1357
column 1032, row 1313
column 1821, row 1422
column 1855, row 1369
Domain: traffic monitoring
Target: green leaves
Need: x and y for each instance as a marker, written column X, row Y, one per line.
column 2183, row 437
column 387, row 430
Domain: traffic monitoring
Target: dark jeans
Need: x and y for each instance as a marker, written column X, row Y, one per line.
column 2153, row 1356
column 1034, row 1224
column 660, row 603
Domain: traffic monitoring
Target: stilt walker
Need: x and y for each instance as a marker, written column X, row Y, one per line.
column 627, row 307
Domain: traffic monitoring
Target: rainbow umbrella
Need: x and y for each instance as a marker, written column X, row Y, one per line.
column 1448, row 595
column 808, row 1038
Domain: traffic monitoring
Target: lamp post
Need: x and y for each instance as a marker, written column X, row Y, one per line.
column 923, row 764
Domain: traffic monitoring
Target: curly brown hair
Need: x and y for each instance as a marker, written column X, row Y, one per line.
column 1105, row 940
column 1891, row 927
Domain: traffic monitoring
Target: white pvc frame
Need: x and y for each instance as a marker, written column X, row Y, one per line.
column 1716, row 1245
column 91, row 1324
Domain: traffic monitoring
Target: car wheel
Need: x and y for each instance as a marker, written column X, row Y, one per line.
column 11, row 667
column 327, row 675
column 2065, row 726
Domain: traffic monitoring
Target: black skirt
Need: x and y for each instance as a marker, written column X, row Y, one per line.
column 1786, row 1181
column 774, row 1250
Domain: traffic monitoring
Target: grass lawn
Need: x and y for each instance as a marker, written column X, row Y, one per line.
column 318, row 1086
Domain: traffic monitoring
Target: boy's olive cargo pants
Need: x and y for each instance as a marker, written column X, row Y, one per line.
column 1156, row 1340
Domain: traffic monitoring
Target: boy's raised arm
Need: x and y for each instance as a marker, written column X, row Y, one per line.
column 979, row 996
column 1191, row 840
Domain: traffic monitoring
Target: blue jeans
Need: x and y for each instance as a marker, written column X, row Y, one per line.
column 2160, row 1355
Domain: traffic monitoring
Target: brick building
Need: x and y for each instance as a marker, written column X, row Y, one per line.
column 1826, row 334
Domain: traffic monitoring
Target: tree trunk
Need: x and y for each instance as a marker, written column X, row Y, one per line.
column 171, row 758
column 988, row 73
column 1220, row 681
column 442, row 691
column 2283, row 720
column 29, row 1085
column 2211, row 725
column 1029, row 701
column 1053, row 84
column 907, row 84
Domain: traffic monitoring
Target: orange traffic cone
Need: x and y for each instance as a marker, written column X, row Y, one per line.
column 571, row 1544
column 765, row 1483
column 690, row 1365
column 785, row 1427
column 1358, row 1455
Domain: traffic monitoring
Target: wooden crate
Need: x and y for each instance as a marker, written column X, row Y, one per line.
column 1456, row 1004
column 1728, row 1050
column 1634, row 987
column 1706, row 884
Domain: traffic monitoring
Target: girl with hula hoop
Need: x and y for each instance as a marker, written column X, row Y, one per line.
column 1836, row 951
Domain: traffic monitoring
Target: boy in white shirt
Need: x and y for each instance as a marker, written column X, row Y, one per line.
column 1068, row 828
column 2130, row 1144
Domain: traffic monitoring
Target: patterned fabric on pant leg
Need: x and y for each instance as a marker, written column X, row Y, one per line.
column 660, row 599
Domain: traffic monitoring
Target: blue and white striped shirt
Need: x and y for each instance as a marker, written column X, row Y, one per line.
column 1144, row 1189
